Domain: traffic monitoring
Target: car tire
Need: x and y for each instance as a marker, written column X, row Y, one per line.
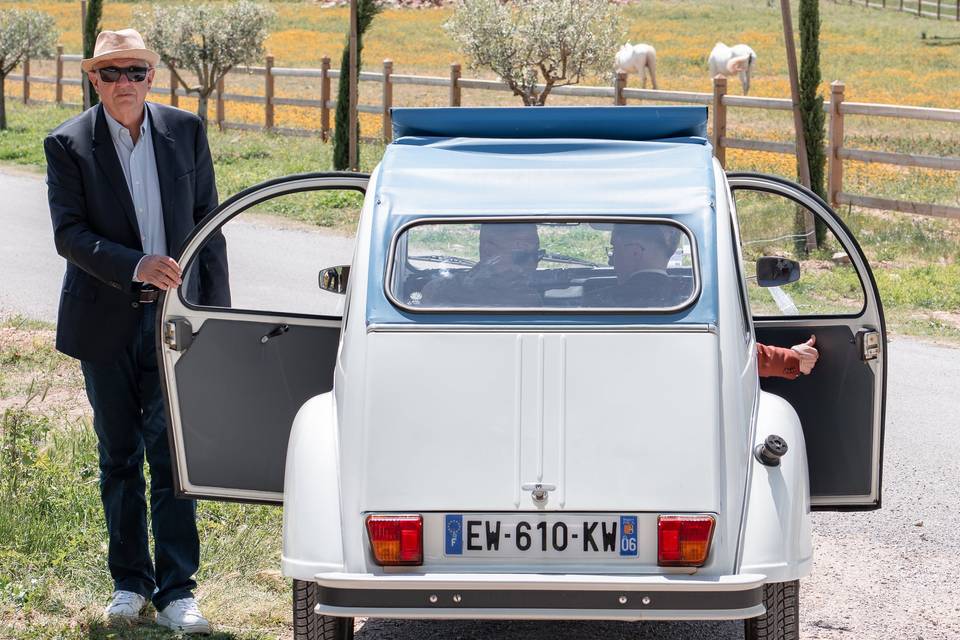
column 782, row 619
column 307, row 625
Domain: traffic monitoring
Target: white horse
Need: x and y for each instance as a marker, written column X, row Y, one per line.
column 731, row 61
column 639, row 59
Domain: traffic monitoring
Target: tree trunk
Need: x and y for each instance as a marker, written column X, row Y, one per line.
column 203, row 99
column 811, row 103
column 3, row 102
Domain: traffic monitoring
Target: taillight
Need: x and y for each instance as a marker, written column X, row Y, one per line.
column 396, row 540
column 683, row 541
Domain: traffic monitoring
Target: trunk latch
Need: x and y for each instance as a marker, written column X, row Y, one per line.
column 538, row 491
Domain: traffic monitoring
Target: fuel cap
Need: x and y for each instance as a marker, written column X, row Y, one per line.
column 770, row 452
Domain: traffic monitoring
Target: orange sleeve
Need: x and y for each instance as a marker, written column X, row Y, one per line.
column 777, row 362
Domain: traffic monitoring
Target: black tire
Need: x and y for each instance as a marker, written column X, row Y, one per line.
column 782, row 619
column 307, row 625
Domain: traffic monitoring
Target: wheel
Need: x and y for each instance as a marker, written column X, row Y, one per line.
column 782, row 619
column 307, row 625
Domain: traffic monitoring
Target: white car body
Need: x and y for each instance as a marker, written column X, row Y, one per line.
column 545, row 418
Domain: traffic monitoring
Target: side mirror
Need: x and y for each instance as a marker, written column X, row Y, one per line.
column 774, row 271
column 334, row 279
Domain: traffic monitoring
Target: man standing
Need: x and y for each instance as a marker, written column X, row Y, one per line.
column 127, row 182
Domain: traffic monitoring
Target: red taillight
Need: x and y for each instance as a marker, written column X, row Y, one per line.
column 396, row 540
column 683, row 541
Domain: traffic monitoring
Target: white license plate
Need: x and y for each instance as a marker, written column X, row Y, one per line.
column 532, row 535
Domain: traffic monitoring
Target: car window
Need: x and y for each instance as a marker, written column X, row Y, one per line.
column 556, row 264
column 276, row 249
column 771, row 225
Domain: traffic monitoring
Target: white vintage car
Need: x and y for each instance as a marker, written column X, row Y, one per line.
column 490, row 414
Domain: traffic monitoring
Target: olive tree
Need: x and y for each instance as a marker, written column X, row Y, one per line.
column 207, row 39
column 537, row 45
column 23, row 34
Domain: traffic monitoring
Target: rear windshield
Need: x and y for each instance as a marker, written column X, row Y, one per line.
column 559, row 265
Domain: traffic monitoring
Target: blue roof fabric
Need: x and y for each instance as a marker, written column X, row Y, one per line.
column 509, row 163
column 596, row 123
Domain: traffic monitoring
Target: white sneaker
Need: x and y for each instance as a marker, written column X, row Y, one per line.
column 125, row 605
column 183, row 615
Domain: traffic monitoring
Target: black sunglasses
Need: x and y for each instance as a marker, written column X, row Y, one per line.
column 112, row 74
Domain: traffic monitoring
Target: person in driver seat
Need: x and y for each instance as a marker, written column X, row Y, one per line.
column 503, row 277
column 640, row 254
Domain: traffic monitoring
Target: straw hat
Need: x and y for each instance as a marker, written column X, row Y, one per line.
column 126, row 43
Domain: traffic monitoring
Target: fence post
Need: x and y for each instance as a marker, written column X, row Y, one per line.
column 268, row 94
column 26, row 80
column 835, row 162
column 387, row 101
column 920, row 8
column 174, row 98
column 455, row 84
column 221, row 107
column 619, row 83
column 719, row 119
column 938, row 8
column 59, row 80
column 325, row 98
column 84, row 82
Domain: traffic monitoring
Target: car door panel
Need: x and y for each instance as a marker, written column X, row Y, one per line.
column 238, row 396
column 841, row 403
column 234, row 378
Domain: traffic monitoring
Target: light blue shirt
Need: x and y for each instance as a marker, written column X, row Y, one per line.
column 140, row 171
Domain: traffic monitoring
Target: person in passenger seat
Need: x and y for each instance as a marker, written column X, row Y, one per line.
column 503, row 277
column 638, row 249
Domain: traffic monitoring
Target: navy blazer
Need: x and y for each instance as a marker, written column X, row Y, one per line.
column 95, row 227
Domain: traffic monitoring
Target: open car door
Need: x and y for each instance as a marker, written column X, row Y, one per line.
column 841, row 403
column 236, row 374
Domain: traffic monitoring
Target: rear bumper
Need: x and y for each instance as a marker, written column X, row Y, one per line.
column 540, row 596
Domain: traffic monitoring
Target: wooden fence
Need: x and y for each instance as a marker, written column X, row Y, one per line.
column 939, row 9
column 618, row 94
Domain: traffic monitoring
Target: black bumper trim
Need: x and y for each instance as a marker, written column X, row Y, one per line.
column 626, row 600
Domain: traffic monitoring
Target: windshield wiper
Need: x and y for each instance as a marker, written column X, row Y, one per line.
column 463, row 262
column 562, row 259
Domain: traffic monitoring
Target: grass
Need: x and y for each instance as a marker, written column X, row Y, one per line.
column 54, row 581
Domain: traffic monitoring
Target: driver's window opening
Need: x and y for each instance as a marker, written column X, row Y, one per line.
column 569, row 264
column 772, row 225
column 278, row 249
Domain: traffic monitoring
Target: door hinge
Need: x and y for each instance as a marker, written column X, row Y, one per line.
column 869, row 342
column 178, row 334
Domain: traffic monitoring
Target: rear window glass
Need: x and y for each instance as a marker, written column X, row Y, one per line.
column 554, row 265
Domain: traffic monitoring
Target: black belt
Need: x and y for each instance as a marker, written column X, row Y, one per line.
column 148, row 295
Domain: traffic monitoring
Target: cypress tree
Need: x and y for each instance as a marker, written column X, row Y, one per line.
column 91, row 27
column 811, row 103
column 366, row 10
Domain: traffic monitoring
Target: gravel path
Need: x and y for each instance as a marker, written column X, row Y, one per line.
column 888, row 574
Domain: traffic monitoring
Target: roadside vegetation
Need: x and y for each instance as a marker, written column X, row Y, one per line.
column 53, row 578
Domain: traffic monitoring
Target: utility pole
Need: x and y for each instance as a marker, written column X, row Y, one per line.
column 804, row 166
column 352, row 147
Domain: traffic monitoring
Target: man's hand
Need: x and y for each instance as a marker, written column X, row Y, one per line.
column 808, row 354
column 162, row 272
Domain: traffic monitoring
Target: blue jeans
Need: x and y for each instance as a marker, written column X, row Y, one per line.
column 130, row 419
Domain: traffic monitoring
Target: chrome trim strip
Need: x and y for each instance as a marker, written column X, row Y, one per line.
column 536, row 328
column 694, row 256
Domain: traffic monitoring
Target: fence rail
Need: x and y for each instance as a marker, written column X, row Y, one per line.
column 618, row 94
column 939, row 9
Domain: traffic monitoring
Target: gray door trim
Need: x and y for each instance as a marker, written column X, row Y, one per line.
column 871, row 318
column 174, row 306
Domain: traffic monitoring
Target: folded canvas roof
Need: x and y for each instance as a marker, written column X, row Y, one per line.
column 583, row 160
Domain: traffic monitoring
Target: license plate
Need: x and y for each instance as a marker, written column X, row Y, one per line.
column 531, row 535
